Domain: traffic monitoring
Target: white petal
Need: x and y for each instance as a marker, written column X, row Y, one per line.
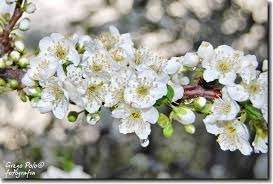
column 190, row 59
column 210, row 75
column 238, row 93
column 227, row 79
column 212, row 126
column 172, row 66
column 178, row 92
column 205, row 50
column 143, row 130
column 44, row 106
column 60, row 108
column 45, row 43
column 26, row 80
column 151, row 115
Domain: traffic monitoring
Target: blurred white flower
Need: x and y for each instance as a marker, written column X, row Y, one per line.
column 56, row 173
column 232, row 135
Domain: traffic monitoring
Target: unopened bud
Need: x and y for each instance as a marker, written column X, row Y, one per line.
column 168, row 131
column 183, row 115
column 72, row 116
column 23, row 62
column 14, row 55
column 2, row 82
column 13, row 84
column 30, row 8
column 2, row 64
column 265, row 65
column 199, row 102
column 22, row 95
column 190, row 128
column 163, row 120
column 207, row 108
column 24, row 24
column 19, row 46
column 92, row 119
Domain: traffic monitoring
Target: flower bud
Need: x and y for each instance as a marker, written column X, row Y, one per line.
column 72, row 116
column 30, row 8
column 23, row 62
column 183, row 115
column 22, row 95
column 13, row 84
column 24, row 24
column 168, row 131
column 199, row 102
column 19, row 46
column 2, row 82
column 265, row 65
column 207, row 108
column 190, row 128
column 2, row 64
column 163, row 120
column 14, row 55
column 92, row 119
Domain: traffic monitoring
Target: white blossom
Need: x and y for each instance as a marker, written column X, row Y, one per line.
column 93, row 93
column 134, row 120
column 232, row 135
column 62, row 49
column 144, row 89
column 53, row 98
column 260, row 143
column 115, row 90
column 223, row 65
column 255, row 90
column 223, row 108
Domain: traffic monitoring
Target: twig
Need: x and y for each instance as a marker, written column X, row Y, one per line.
column 198, row 91
column 5, row 39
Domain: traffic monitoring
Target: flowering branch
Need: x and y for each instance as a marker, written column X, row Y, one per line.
column 5, row 39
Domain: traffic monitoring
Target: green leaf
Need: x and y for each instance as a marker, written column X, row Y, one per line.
column 168, row 131
column 170, row 93
column 162, row 101
column 252, row 112
column 163, row 120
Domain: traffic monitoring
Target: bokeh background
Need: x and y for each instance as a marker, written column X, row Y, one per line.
column 169, row 28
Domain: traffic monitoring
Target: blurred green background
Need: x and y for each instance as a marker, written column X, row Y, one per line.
column 169, row 28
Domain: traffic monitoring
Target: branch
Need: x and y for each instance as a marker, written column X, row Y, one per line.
column 198, row 91
column 5, row 39
column 10, row 73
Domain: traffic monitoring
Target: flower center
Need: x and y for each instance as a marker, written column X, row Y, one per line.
column 224, row 66
column 96, row 68
column 93, row 89
column 254, row 88
column 108, row 40
column 57, row 92
column 135, row 116
column 117, row 55
column 60, row 51
column 143, row 90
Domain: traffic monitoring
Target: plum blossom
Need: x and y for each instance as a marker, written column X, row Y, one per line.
column 224, row 108
column 255, row 91
column 134, row 120
column 53, row 98
column 60, row 48
column 222, row 65
column 232, row 135
column 144, row 89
